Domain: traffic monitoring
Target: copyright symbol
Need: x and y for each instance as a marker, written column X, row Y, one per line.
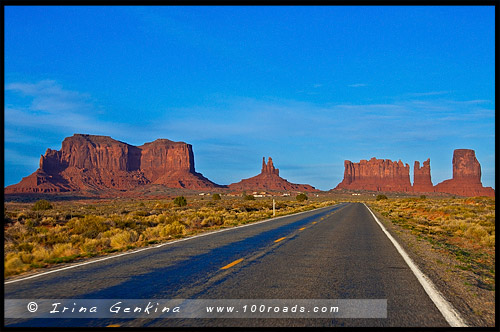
column 32, row 307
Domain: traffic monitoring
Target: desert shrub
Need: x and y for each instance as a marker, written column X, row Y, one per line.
column 216, row 197
column 212, row 221
column 30, row 224
column 13, row 264
column 26, row 257
column 141, row 213
column 423, row 197
column 91, row 246
column 151, row 233
column 476, row 232
column 249, row 197
column 123, row 239
column 63, row 250
column 25, row 246
column 48, row 221
column 175, row 228
column 180, row 201
column 40, row 254
column 381, row 197
column 88, row 227
column 488, row 241
column 42, row 205
column 17, row 232
column 124, row 223
column 301, row 197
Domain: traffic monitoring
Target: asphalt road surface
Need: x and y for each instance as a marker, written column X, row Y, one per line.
column 338, row 252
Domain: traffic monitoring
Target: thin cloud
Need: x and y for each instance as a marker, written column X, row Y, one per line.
column 357, row 85
column 431, row 93
column 17, row 158
column 54, row 109
column 49, row 96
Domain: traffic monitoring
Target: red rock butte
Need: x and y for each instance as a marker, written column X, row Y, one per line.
column 466, row 179
column 386, row 175
column 269, row 179
column 376, row 175
column 90, row 162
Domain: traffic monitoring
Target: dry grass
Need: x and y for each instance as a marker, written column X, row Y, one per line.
column 463, row 228
column 78, row 229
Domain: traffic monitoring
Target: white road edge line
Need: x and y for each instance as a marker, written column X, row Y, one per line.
column 449, row 313
column 158, row 246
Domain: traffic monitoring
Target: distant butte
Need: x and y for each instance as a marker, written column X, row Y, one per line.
column 91, row 162
column 389, row 176
column 466, row 179
column 269, row 179
column 97, row 163
column 376, row 175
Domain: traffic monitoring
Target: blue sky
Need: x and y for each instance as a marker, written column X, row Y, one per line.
column 308, row 86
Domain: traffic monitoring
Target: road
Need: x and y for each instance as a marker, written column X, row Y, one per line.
column 338, row 252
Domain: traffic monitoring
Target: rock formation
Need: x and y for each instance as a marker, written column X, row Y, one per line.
column 422, row 177
column 269, row 179
column 385, row 175
column 466, row 179
column 376, row 175
column 87, row 162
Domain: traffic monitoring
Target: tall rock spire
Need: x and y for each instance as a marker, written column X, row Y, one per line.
column 466, row 179
column 422, row 177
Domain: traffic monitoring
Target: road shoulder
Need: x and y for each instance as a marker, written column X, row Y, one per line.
column 476, row 305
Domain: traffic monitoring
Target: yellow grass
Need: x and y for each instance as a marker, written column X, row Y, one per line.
column 464, row 228
column 73, row 230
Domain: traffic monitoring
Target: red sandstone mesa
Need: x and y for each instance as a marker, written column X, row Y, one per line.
column 422, row 177
column 87, row 162
column 466, row 179
column 376, row 175
column 269, row 179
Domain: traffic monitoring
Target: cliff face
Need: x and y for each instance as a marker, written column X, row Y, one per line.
column 269, row 179
column 466, row 179
column 422, row 177
column 100, row 162
column 376, row 175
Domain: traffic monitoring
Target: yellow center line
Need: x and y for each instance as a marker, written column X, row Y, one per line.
column 301, row 229
column 113, row 325
column 313, row 222
column 278, row 240
column 231, row 264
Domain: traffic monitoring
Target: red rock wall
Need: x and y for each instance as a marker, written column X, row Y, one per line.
column 376, row 175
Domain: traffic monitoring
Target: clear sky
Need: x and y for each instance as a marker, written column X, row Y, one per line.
column 308, row 86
